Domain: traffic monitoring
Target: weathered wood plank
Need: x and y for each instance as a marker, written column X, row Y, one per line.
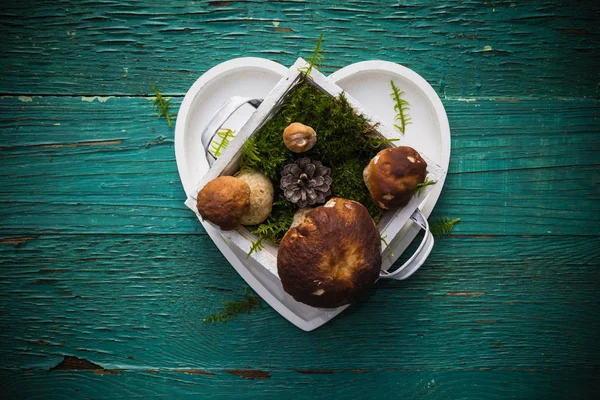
column 136, row 302
column 100, row 260
column 468, row 48
column 577, row 384
column 74, row 166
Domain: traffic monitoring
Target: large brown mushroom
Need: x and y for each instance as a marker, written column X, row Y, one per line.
column 224, row 201
column 393, row 174
column 332, row 257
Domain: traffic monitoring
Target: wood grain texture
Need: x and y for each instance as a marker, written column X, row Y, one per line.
column 436, row 385
column 105, row 276
column 463, row 48
column 136, row 302
column 73, row 166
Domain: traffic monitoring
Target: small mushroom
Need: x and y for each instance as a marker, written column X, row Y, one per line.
column 299, row 137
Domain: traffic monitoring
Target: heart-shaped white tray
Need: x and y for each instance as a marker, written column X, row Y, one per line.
column 368, row 82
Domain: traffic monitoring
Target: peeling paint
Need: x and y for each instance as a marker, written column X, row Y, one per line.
column 16, row 241
column 276, row 23
column 487, row 48
column 46, row 281
column 194, row 372
column 101, row 99
column 72, row 363
column 466, row 99
column 464, row 293
column 25, row 99
column 159, row 140
column 576, row 31
column 316, row 371
column 77, row 144
column 249, row 373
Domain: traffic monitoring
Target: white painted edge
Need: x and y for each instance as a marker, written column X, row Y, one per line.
column 190, row 96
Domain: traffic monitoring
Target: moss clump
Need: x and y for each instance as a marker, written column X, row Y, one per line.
column 346, row 185
column 346, row 142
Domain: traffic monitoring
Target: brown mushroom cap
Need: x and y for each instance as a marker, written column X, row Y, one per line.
column 393, row 174
column 299, row 137
column 332, row 257
column 223, row 201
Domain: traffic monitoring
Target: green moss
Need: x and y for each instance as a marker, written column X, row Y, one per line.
column 346, row 184
column 346, row 142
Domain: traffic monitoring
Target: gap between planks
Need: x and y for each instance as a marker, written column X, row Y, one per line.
column 150, row 95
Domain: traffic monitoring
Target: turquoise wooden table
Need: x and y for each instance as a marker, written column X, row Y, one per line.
column 105, row 276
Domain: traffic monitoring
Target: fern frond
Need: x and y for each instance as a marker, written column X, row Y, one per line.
column 256, row 246
column 387, row 245
column 217, row 147
column 421, row 186
column 317, row 58
column 272, row 229
column 377, row 142
column 233, row 308
column 443, row 226
column 162, row 106
column 401, row 107
column 250, row 157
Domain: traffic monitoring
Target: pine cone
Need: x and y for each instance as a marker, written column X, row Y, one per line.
column 306, row 182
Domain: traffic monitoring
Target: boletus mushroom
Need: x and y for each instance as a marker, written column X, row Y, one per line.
column 299, row 137
column 332, row 257
column 261, row 196
column 223, row 201
column 393, row 174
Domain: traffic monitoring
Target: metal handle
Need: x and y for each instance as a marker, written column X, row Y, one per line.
column 222, row 115
column 417, row 259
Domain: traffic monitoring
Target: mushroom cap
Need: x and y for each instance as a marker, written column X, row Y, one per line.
column 299, row 137
column 332, row 257
column 223, row 201
column 393, row 174
column 261, row 196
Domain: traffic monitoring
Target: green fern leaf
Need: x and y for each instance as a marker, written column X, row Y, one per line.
column 401, row 107
column 317, row 58
column 421, row 186
column 256, row 246
column 162, row 106
column 443, row 226
column 217, row 146
column 387, row 245
column 233, row 308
